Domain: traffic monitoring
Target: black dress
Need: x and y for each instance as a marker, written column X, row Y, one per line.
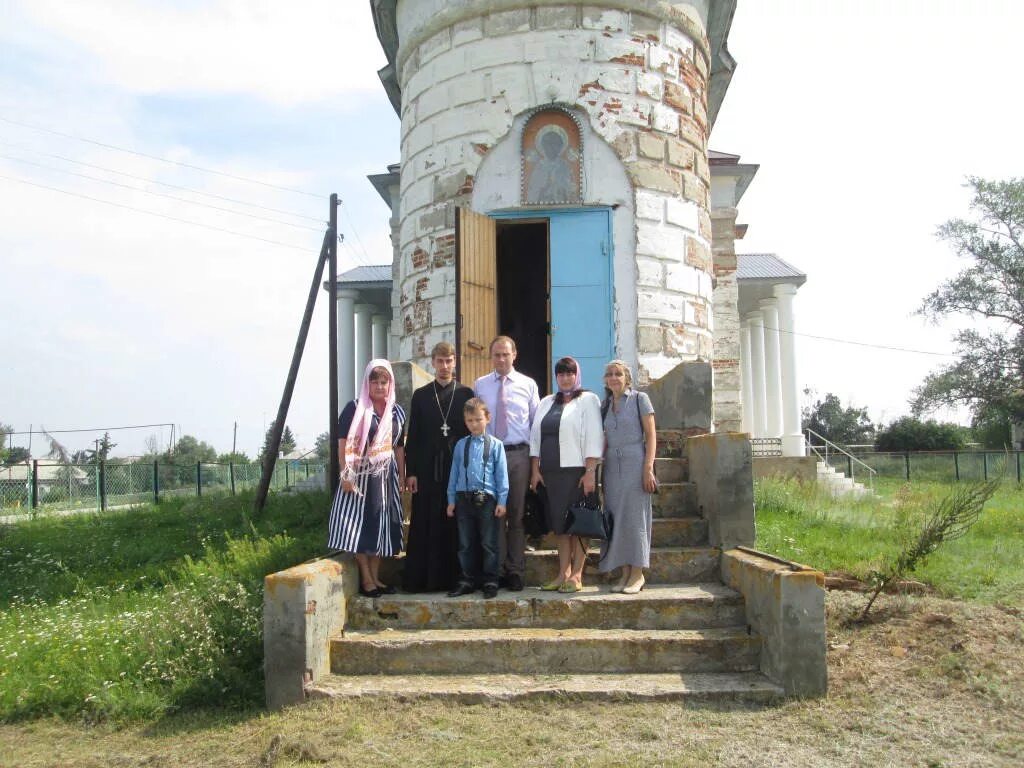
column 431, row 561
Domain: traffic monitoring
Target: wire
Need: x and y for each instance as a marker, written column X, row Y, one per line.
column 354, row 231
column 162, row 159
column 158, row 215
column 164, row 183
column 160, row 194
column 861, row 343
column 98, row 429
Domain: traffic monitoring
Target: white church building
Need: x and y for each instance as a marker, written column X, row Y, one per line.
column 555, row 184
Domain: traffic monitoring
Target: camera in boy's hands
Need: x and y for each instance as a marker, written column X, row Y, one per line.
column 479, row 499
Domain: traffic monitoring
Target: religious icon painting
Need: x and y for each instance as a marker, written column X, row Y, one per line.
column 551, row 159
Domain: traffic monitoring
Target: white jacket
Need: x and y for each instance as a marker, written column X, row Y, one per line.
column 580, row 433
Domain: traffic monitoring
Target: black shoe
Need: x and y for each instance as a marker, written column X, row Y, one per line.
column 490, row 592
column 514, row 582
column 375, row 592
column 463, row 589
column 387, row 589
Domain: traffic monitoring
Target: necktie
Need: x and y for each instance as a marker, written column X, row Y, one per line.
column 501, row 412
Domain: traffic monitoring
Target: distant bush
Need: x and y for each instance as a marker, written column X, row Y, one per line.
column 910, row 434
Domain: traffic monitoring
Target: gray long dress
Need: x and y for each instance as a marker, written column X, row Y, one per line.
column 624, row 493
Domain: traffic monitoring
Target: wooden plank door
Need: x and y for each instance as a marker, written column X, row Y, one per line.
column 475, row 292
column 581, row 291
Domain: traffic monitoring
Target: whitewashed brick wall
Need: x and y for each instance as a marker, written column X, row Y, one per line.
column 642, row 83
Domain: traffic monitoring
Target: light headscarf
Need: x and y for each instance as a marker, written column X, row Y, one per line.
column 577, row 386
column 374, row 458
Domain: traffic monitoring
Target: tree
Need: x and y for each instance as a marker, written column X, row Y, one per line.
column 988, row 375
column 16, row 455
column 188, row 451
column 992, row 430
column 911, row 434
column 287, row 440
column 238, row 457
column 323, row 446
column 5, row 430
column 844, row 426
column 102, row 450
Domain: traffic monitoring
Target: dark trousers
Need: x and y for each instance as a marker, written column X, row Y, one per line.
column 512, row 537
column 478, row 541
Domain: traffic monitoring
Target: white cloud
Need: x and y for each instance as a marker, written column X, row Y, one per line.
column 286, row 53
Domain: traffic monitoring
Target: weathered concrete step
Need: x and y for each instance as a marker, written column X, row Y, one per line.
column 672, row 470
column 666, row 532
column 676, row 606
column 473, row 689
column 676, row 500
column 544, row 651
column 669, row 565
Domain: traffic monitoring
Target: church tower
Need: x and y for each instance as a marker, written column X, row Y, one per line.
column 554, row 181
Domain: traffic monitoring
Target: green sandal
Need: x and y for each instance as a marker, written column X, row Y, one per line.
column 568, row 587
column 552, row 586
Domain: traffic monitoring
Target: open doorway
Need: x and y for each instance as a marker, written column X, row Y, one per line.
column 523, row 295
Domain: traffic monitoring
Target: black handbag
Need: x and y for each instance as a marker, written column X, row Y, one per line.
column 587, row 520
column 535, row 519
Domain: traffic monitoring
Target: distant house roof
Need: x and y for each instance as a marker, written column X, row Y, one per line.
column 767, row 266
column 371, row 273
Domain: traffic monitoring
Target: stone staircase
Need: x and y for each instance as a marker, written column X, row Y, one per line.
column 684, row 636
column 838, row 484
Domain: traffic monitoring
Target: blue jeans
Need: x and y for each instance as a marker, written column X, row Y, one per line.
column 478, row 541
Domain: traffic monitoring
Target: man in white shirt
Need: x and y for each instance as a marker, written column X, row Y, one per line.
column 512, row 399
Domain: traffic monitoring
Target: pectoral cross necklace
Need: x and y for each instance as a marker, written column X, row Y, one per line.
column 445, row 429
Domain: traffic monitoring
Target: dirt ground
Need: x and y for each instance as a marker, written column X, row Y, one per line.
column 929, row 682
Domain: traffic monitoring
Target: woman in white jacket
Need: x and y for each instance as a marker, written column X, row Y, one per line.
column 566, row 442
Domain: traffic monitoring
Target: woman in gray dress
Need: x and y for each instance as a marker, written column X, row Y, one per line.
column 628, row 477
column 566, row 442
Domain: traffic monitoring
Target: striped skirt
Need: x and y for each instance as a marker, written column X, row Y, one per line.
column 368, row 522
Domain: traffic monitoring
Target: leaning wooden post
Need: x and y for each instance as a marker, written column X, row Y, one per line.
column 274, row 443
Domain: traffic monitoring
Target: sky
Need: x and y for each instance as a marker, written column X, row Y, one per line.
column 121, row 307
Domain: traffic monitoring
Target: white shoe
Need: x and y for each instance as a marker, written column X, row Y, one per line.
column 633, row 589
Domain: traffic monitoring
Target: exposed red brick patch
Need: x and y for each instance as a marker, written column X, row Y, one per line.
column 420, row 258
column 635, row 59
column 467, row 185
column 613, row 105
column 480, row 148
column 594, row 85
column 678, row 97
column 697, row 255
column 421, row 286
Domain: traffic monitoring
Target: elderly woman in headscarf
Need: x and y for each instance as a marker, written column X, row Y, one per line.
column 566, row 443
column 366, row 516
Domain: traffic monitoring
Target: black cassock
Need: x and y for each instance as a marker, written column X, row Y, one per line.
column 431, row 559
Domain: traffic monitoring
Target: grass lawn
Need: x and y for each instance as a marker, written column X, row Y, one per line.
column 134, row 638
column 853, row 536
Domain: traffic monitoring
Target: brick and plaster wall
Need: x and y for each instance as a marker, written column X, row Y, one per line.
column 638, row 74
column 727, row 401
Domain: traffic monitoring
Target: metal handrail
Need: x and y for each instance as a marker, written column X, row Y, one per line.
column 850, row 458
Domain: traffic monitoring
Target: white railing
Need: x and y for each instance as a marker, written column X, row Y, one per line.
column 827, row 448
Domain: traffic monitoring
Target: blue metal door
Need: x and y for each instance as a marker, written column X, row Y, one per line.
column 581, row 292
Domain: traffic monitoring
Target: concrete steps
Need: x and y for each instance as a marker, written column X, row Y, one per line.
column 478, row 689
column 532, row 650
column 669, row 565
column 666, row 532
column 838, row 484
column 675, row 500
column 672, row 606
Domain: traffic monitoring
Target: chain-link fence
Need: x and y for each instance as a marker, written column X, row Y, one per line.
column 53, row 486
column 935, row 466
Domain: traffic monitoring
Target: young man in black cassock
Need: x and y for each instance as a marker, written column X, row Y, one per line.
column 435, row 426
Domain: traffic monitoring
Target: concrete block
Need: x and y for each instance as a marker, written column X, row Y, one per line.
column 604, row 19
column 619, row 50
column 556, row 18
column 721, row 466
column 683, row 278
column 654, row 175
column 661, row 242
column 801, row 468
column 408, row 377
column 657, row 305
column 435, row 46
column 650, row 272
column 649, row 206
column 678, row 41
column 650, row 85
column 617, row 80
column 651, row 146
column 448, row 65
column 495, row 53
column 682, row 397
column 467, row 31
column 647, row 27
column 432, row 101
column 785, row 605
column 507, row 22
column 682, row 213
column 302, row 607
column 665, row 119
column 664, row 60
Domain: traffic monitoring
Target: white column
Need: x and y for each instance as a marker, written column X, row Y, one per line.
column 346, row 299
column 755, row 321
column 745, row 381
column 792, row 435
column 364, row 339
column 772, row 379
column 379, row 334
